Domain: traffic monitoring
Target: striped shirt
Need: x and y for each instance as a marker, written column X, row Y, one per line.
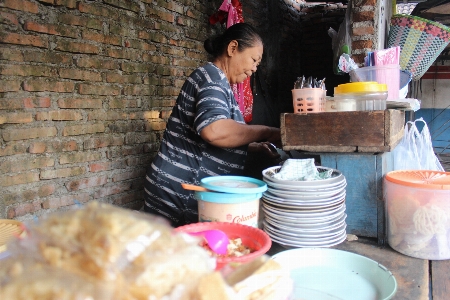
column 184, row 157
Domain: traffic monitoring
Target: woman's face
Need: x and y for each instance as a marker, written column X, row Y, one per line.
column 243, row 64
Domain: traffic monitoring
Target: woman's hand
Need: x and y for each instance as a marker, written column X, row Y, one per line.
column 266, row 148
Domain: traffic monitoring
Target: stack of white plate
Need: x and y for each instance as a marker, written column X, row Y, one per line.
column 305, row 213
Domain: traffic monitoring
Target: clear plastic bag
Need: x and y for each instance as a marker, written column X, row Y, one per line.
column 415, row 150
column 341, row 40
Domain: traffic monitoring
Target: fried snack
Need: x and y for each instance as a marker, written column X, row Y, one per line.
column 27, row 279
column 139, row 254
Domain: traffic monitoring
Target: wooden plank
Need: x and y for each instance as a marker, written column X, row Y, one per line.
column 440, row 279
column 353, row 131
column 411, row 274
column 394, row 128
column 356, row 128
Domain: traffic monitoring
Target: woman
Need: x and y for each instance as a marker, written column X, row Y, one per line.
column 206, row 134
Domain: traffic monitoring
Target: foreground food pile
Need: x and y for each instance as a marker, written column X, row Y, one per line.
column 100, row 251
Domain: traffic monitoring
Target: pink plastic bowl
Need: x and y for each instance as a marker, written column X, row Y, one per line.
column 251, row 237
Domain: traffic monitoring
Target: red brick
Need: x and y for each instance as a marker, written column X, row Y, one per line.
column 38, row 147
column 67, row 3
column 29, row 194
column 139, row 161
column 79, row 103
column 85, row 183
column 128, row 198
column 78, row 157
column 16, row 118
column 102, row 142
column 9, row 86
column 11, row 54
column 26, row 164
column 129, row 175
column 358, row 31
column 83, row 129
column 362, row 44
column 139, row 90
column 128, row 5
column 161, row 15
column 13, row 149
column 96, row 63
column 41, row 102
column 51, row 29
column 41, row 85
column 53, row 146
column 71, row 19
column 7, row 18
column 28, row 133
column 61, row 173
column 73, row 199
column 120, row 78
column 48, row 57
column 105, row 166
column 24, row 39
column 101, row 38
column 28, row 70
column 23, row 209
column 98, row 10
column 90, row 89
column 22, row 5
column 362, row 16
column 76, row 47
column 112, row 190
column 58, row 115
column 123, row 103
column 80, row 74
column 19, row 179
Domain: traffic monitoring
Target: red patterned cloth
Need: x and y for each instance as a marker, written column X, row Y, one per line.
column 232, row 10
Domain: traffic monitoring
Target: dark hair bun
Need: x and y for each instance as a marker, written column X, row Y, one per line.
column 209, row 46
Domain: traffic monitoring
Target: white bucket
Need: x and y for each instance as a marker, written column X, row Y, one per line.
column 225, row 207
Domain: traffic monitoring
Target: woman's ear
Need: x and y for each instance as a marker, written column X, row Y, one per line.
column 232, row 48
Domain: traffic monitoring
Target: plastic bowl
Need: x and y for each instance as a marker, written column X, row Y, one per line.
column 251, row 237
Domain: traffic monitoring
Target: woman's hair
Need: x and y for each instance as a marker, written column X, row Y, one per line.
column 245, row 34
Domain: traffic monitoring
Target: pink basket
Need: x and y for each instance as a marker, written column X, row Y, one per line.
column 309, row 100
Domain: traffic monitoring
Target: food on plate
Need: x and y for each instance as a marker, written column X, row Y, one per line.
column 234, row 249
column 259, row 279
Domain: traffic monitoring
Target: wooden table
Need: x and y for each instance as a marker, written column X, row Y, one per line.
column 417, row 279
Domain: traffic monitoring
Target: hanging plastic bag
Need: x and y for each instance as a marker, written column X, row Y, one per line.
column 415, row 150
column 341, row 40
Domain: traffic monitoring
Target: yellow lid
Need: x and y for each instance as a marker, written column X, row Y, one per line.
column 361, row 87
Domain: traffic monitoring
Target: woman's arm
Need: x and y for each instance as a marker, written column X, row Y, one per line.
column 228, row 133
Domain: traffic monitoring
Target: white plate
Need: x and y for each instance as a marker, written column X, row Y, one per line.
column 307, row 239
column 297, row 220
column 313, row 189
column 290, row 242
column 296, row 198
column 304, row 204
column 336, row 176
column 306, row 228
column 325, row 274
column 307, row 234
column 305, row 213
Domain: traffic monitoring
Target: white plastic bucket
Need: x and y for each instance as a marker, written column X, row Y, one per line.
column 232, row 208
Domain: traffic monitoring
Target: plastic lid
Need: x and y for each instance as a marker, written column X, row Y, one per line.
column 234, row 184
column 421, row 179
column 361, row 87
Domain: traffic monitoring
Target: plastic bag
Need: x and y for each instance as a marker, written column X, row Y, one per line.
column 415, row 150
column 341, row 40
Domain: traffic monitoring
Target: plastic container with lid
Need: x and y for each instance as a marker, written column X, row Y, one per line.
column 418, row 213
column 357, row 96
column 233, row 199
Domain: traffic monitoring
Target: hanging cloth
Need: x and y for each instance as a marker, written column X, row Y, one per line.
column 242, row 91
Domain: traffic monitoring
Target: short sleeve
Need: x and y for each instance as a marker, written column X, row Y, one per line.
column 213, row 104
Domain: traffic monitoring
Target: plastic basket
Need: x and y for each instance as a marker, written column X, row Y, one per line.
column 309, row 100
column 420, row 41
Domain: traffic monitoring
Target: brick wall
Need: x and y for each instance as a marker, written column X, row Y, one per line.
column 87, row 85
column 85, row 89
